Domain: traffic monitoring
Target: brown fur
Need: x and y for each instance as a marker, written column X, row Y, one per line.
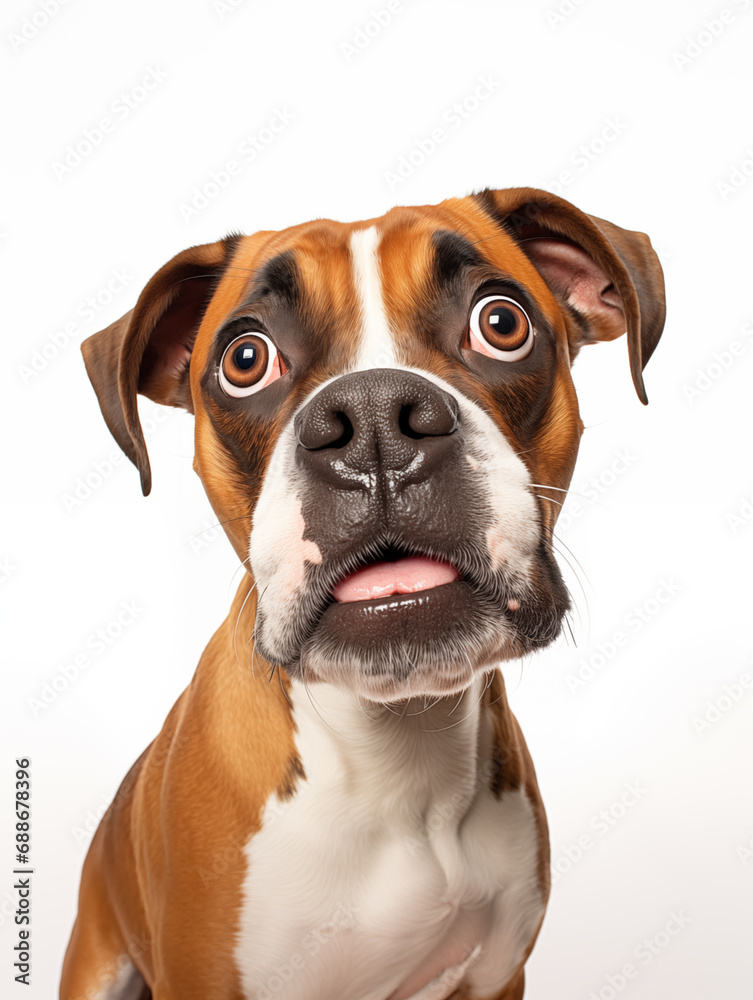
column 162, row 880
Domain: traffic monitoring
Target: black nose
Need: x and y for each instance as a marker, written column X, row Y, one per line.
column 381, row 426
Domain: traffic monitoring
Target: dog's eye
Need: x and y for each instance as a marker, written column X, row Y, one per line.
column 249, row 364
column 501, row 329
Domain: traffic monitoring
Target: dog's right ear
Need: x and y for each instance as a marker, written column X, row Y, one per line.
column 147, row 351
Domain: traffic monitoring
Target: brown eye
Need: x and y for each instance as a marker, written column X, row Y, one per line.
column 501, row 329
column 249, row 364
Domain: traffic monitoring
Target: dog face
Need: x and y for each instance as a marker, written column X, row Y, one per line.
column 386, row 421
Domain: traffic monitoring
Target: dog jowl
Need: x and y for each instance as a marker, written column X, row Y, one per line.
column 386, row 426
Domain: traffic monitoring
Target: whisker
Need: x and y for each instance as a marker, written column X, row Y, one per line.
column 235, row 572
column 237, row 622
column 543, row 486
column 366, row 715
column 569, row 627
column 575, row 558
column 253, row 657
column 459, row 721
column 470, row 673
column 428, row 705
column 282, row 688
column 580, row 584
column 218, row 524
column 574, row 493
column 314, row 706
column 460, row 698
column 519, row 681
column 550, row 499
column 492, row 672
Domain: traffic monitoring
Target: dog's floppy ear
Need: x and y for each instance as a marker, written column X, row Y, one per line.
column 610, row 277
column 147, row 350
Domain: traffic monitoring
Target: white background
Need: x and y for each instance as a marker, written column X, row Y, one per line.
column 663, row 513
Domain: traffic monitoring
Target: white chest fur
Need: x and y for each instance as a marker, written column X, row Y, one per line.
column 393, row 872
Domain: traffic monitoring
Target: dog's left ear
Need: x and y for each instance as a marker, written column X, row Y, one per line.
column 610, row 277
column 147, row 350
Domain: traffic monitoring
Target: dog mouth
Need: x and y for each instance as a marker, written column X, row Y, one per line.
column 394, row 597
column 387, row 593
column 396, row 615
column 394, row 574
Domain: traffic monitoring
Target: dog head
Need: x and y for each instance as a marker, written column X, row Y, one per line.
column 386, row 420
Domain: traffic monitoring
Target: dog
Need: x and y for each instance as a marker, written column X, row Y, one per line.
column 341, row 804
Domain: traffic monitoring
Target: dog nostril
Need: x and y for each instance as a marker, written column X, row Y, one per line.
column 436, row 416
column 404, row 424
column 328, row 430
column 347, row 430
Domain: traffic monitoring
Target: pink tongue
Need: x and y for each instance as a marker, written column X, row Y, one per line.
column 405, row 576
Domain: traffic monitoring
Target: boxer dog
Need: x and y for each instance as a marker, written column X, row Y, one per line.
column 341, row 806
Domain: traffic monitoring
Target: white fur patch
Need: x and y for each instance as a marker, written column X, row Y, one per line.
column 377, row 350
column 393, row 872
column 277, row 549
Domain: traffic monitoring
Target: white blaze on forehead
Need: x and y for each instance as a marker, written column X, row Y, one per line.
column 377, row 350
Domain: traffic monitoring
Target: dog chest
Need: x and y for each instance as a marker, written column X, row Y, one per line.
column 393, row 872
